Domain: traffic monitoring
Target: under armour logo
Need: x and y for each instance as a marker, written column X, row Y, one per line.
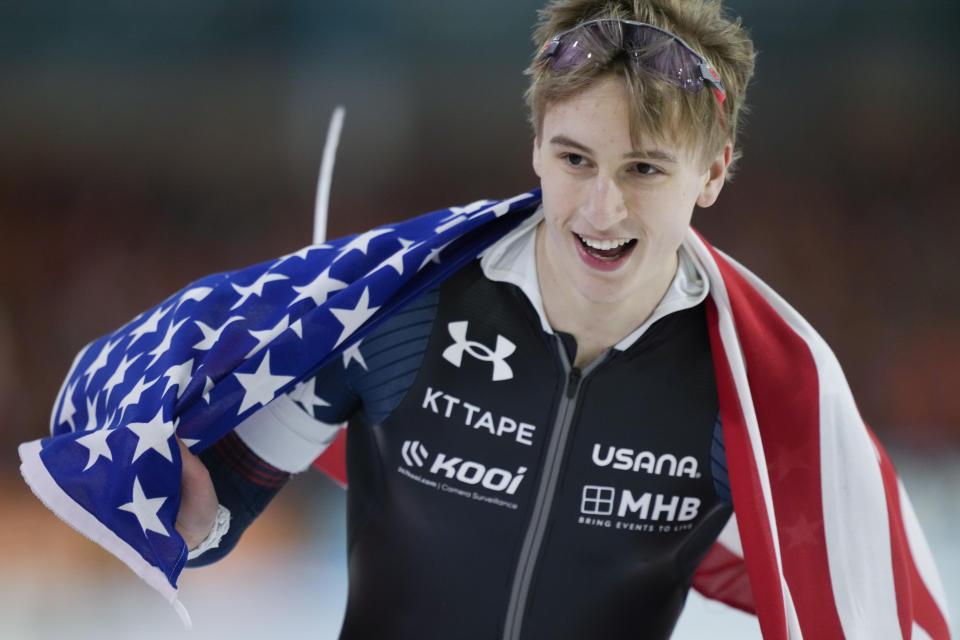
column 498, row 356
column 413, row 453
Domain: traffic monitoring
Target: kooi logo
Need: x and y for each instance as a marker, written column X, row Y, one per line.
column 466, row 471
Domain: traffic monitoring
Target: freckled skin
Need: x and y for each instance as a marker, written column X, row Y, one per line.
column 591, row 188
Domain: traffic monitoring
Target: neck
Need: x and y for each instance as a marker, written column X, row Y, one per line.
column 596, row 325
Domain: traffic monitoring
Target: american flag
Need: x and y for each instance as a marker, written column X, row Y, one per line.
column 824, row 543
column 202, row 361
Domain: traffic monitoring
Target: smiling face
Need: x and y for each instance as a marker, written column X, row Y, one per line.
column 615, row 215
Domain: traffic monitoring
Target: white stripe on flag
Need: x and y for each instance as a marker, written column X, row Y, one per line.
column 917, row 633
column 53, row 497
column 730, row 537
column 735, row 358
column 856, row 523
column 921, row 554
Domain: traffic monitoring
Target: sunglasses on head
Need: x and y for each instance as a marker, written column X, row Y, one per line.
column 645, row 45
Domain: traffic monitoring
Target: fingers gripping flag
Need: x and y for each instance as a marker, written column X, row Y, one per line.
column 202, row 361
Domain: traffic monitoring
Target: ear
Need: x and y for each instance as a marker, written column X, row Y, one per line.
column 716, row 174
column 536, row 157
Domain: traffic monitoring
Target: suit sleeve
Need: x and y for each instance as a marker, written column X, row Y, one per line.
column 251, row 464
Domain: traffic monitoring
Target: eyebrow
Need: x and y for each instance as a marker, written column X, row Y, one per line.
column 652, row 154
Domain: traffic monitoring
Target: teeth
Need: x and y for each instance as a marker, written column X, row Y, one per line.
column 603, row 245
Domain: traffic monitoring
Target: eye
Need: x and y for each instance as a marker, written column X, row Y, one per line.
column 645, row 169
column 574, row 159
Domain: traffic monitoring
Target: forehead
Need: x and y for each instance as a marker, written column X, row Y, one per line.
column 600, row 117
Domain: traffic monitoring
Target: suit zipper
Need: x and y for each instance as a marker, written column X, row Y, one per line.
column 536, row 528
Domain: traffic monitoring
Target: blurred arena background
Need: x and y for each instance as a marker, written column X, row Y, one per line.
column 143, row 145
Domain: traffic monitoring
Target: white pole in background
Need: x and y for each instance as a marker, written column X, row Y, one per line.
column 322, row 204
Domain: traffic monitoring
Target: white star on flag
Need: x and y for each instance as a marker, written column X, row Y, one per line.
column 457, row 214
column 352, row 353
column 351, row 319
column 207, row 388
column 101, row 360
column 297, row 328
column 396, row 259
column 119, row 374
column 164, row 345
column 255, row 289
column 318, row 290
column 210, row 335
column 153, row 435
column 133, row 397
column 67, row 410
column 302, row 253
column 260, row 386
column 91, row 413
column 501, row 208
column 265, row 336
column 361, row 242
column 305, row 393
column 145, row 509
column 178, row 375
column 196, row 294
column 150, row 326
column 478, row 209
column 96, row 443
column 76, row 361
column 434, row 255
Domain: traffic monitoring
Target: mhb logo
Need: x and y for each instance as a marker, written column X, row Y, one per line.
column 603, row 501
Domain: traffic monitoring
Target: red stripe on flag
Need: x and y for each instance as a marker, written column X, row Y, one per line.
column 748, row 503
column 333, row 460
column 722, row 576
column 914, row 601
column 783, row 380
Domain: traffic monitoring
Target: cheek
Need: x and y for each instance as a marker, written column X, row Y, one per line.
column 694, row 187
column 553, row 212
column 559, row 198
column 663, row 213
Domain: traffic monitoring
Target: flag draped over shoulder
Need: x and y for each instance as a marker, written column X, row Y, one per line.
column 823, row 544
column 199, row 363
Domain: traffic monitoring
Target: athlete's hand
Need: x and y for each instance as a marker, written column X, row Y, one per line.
column 198, row 500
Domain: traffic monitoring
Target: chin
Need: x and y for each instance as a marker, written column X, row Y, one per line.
column 601, row 290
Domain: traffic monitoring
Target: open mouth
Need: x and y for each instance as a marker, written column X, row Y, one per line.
column 609, row 251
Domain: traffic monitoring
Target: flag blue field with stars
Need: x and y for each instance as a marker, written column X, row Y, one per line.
column 199, row 363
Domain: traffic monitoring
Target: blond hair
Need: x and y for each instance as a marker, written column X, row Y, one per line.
column 659, row 110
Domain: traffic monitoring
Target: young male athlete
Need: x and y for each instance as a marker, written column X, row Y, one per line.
column 538, row 436
column 537, row 450
column 540, row 444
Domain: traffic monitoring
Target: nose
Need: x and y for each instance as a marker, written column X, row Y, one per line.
column 605, row 206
